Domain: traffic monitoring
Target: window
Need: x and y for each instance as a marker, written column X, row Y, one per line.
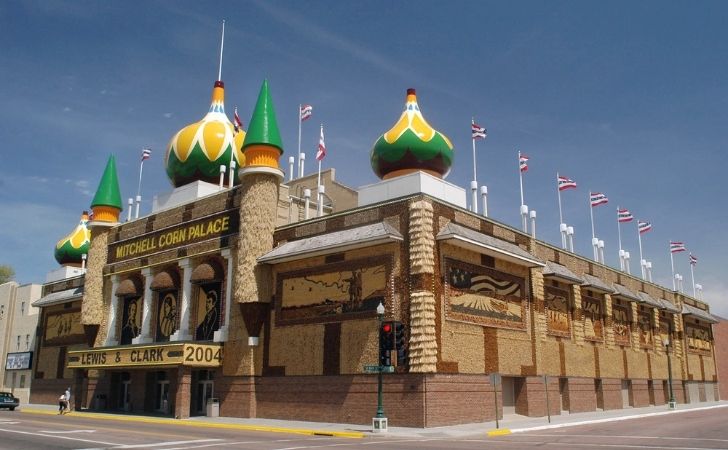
column 22, row 308
column 22, row 381
column 27, row 342
column 18, row 342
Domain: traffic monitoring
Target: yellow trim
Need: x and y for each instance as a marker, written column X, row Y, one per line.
column 106, row 214
column 500, row 432
column 262, row 155
column 166, row 354
column 200, row 423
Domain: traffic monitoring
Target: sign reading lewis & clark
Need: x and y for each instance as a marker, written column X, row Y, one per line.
column 214, row 226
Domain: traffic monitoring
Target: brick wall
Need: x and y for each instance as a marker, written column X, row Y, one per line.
column 47, row 391
column 612, row 393
column 720, row 335
column 582, row 395
column 639, row 393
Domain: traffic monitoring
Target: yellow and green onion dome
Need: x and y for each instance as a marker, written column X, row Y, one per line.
column 70, row 250
column 412, row 145
column 198, row 150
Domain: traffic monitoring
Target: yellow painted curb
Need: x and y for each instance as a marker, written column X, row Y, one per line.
column 196, row 423
column 501, row 432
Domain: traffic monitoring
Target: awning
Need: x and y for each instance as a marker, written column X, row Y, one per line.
column 698, row 313
column 646, row 298
column 338, row 241
column 482, row 243
column 60, row 297
column 668, row 305
column 558, row 272
column 622, row 291
column 596, row 284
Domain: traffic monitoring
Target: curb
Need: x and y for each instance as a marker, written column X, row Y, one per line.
column 499, row 432
column 201, row 424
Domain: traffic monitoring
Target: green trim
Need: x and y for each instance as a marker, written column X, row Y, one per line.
column 108, row 192
column 263, row 127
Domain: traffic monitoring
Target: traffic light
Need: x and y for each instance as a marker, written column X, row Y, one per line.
column 386, row 343
column 400, row 344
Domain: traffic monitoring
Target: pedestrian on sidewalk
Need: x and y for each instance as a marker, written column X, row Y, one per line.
column 62, row 404
column 68, row 399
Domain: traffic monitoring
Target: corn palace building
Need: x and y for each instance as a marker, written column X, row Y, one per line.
column 254, row 297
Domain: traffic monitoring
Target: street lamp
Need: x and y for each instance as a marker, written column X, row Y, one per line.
column 379, row 422
column 671, row 401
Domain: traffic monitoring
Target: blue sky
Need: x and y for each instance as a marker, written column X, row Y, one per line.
column 626, row 98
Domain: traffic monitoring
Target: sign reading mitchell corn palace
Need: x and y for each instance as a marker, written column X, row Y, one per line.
column 229, row 297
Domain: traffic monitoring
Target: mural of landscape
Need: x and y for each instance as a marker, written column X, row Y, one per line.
column 557, row 310
column 325, row 295
column 593, row 323
column 483, row 295
column 62, row 329
column 620, row 318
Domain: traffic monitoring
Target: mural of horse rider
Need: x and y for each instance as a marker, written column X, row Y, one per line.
column 208, row 311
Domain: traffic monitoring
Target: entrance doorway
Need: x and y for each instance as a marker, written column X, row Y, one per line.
column 161, row 393
column 204, row 391
column 509, row 395
column 125, row 392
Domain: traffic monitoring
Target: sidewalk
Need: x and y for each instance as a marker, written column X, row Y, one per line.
column 510, row 424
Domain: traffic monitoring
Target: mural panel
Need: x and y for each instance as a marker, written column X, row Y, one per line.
column 593, row 318
column 557, row 311
column 621, row 323
column 334, row 292
column 131, row 319
column 166, row 314
column 698, row 337
column 484, row 296
column 209, row 300
column 63, row 328
column 645, row 324
column 663, row 335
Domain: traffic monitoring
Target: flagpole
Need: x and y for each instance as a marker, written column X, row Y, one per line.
column 672, row 266
column 639, row 239
column 692, row 277
column 562, row 225
column 474, row 183
column 619, row 237
column 139, row 189
column 524, row 209
column 300, row 171
column 595, row 241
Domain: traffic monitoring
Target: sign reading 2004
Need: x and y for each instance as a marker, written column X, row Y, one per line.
column 214, row 226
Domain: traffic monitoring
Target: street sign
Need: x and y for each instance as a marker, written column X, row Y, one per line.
column 377, row 369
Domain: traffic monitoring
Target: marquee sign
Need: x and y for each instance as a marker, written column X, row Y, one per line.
column 179, row 354
column 215, row 226
column 19, row 361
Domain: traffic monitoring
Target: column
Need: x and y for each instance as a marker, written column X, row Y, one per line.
column 221, row 335
column 183, row 333
column 145, row 336
column 183, row 394
column 111, row 325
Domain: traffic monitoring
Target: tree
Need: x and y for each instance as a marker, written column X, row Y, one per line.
column 7, row 273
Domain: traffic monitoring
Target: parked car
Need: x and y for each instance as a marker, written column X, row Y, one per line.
column 7, row 400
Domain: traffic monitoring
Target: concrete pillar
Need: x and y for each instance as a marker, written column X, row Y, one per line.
column 221, row 335
column 111, row 325
column 183, row 333
column 183, row 393
column 145, row 336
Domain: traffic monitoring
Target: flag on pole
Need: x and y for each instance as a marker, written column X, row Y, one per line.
column 522, row 163
column 237, row 123
column 643, row 227
column 597, row 198
column 566, row 183
column 146, row 154
column 623, row 215
column 478, row 131
column 693, row 260
column 677, row 247
column 306, row 112
column 321, row 151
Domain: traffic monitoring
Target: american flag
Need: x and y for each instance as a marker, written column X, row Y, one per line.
column 677, row 247
column 597, row 198
column 146, row 153
column 693, row 259
column 623, row 215
column 306, row 112
column 237, row 123
column 566, row 183
column 522, row 162
column 478, row 131
column 321, row 151
column 643, row 227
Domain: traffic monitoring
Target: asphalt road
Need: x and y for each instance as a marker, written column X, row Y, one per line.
column 690, row 430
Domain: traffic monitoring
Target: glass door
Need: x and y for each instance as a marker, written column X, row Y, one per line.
column 161, row 397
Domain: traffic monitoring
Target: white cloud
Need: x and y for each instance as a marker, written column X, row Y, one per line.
column 167, row 115
column 67, row 109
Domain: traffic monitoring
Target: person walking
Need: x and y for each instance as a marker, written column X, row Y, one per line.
column 68, row 399
column 61, row 404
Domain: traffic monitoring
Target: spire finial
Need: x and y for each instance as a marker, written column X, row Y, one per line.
column 222, row 44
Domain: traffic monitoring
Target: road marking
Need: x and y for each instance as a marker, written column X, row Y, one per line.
column 585, row 444
column 164, row 444
column 611, row 436
column 66, row 432
column 35, row 433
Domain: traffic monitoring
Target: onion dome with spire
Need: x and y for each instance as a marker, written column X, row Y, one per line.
column 198, row 150
column 106, row 204
column 70, row 250
column 411, row 145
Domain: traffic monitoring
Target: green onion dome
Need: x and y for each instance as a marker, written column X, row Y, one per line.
column 70, row 249
column 411, row 145
column 198, row 150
